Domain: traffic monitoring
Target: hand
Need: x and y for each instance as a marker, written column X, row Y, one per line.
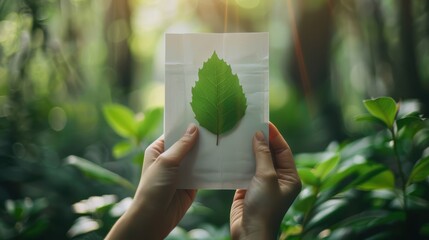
column 157, row 206
column 256, row 213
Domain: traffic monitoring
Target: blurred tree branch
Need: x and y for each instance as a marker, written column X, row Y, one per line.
column 118, row 29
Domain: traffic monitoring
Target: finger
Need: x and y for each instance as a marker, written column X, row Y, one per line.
column 281, row 151
column 174, row 155
column 283, row 160
column 273, row 131
column 239, row 194
column 264, row 162
column 237, row 207
column 153, row 151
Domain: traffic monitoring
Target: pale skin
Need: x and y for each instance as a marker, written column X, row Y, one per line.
column 256, row 213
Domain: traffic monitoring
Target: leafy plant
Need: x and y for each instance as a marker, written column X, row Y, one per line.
column 373, row 187
column 98, row 173
column 218, row 100
column 136, row 129
column 24, row 218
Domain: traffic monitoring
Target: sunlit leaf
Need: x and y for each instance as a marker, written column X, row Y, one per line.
column 308, row 177
column 290, row 231
column 305, row 200
column 121, row 119
column 325, row 167
column 383, row 180
column 383, row 108
column 420, row 171
column 98, row 173
column 310, row 160
column 122, row 149
column 218, row 100
column 152, row 118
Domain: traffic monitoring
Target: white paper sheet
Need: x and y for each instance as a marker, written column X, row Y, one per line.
column 231, row 164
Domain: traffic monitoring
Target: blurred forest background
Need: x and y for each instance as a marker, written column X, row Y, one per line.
column 75, row 73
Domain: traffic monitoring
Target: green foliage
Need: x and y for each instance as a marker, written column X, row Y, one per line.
column 420, row 171
column 121, row 119
column 150, row 122
column 73, row 57
column 383, row 180
column 98, row 173
column 357, row 188
column 218, row 100
column 136, row 128
column 325, row 167
column 383, row 108
column 24, row 218
column 129, row 125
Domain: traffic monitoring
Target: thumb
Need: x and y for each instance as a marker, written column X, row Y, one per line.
column 264, row 163
column 173, row 156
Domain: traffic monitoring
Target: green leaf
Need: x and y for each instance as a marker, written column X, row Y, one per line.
column 368, row 118
column 383, row 180
column 308, row 177
column 351, row 176
column 121, row 149
column 121, row 119
column 410, row 120
column 371, row 218
column 151, row 120
column 310, row 160
column 327, row 213
column 420, row 171
column 325, row 167
column 218, row 100
column 96, row 172
column 383, row 108
column 305, row 200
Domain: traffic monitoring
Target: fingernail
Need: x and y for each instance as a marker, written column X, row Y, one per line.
column 260, row 136
column 191, row 128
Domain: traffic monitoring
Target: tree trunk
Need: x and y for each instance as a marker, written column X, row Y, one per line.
column 409, row 85
column 120, row 56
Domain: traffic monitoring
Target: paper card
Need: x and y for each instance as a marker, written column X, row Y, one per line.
column 230, row 164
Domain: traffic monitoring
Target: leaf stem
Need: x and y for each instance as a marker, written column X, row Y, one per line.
column 310, row 210
column 400, row 170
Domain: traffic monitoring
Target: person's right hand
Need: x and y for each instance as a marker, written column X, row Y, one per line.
column 256, row 213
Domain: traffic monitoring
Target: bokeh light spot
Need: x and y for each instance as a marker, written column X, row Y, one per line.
column 57, row 119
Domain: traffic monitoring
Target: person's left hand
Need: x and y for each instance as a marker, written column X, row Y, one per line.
column 158, row 206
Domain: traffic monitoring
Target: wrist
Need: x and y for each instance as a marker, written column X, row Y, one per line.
column 137, row 221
